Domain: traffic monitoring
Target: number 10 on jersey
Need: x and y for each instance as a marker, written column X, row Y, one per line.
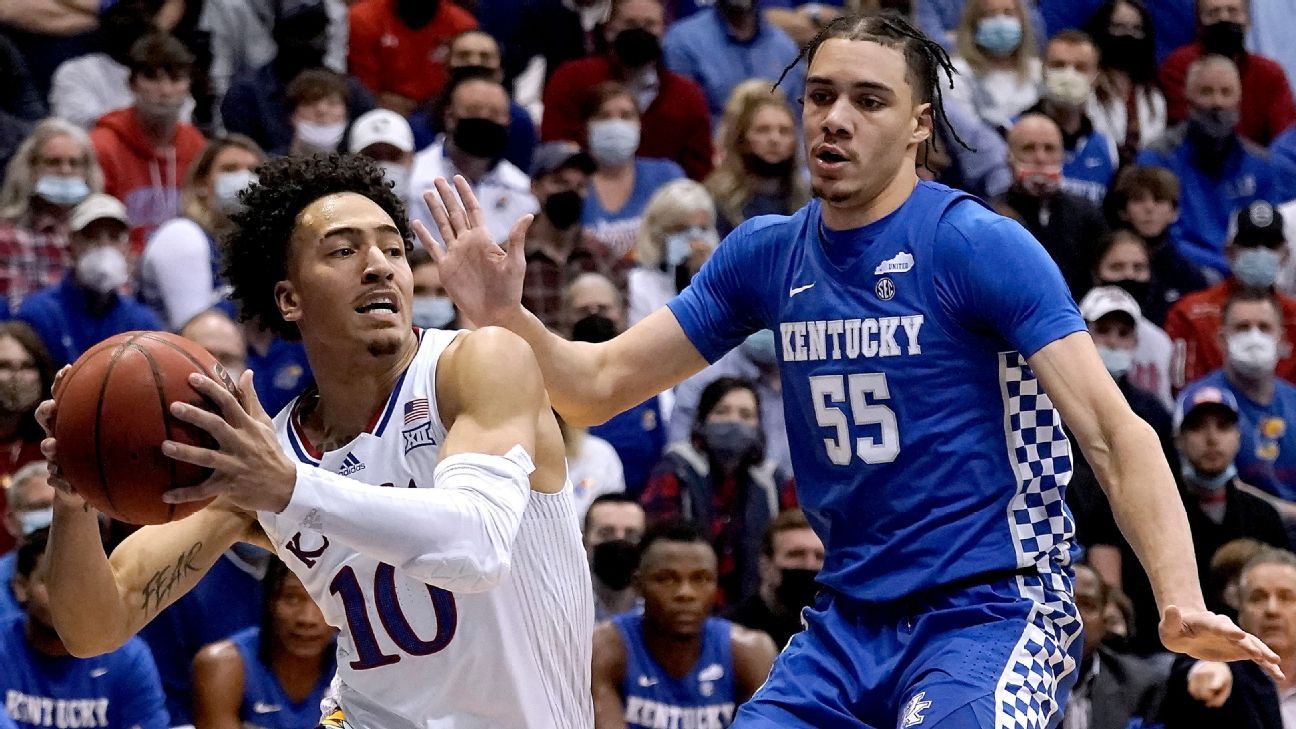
column 834, row 395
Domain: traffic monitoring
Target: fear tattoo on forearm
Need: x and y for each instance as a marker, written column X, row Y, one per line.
column 163, row 582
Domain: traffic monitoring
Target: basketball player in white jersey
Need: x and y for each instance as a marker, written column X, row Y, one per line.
column 418, row 488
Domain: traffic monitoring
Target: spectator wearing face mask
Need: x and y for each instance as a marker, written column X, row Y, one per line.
column 431, row 307
column 613, row 525
column 557, row 250
column 791, row 557
column 676, row 124
column 722, row 482
column 317, row 107
column 1089, row 156
column 998, row 63
column 758, row 172
column 1256, row 252
column 29, row 504
column 26, row 375
column 1136, row 350
column 385, row 137
column 179, row 270
column 1127, row 105
column 1145, row 201
column 86, row 307
column 1264, row 100
column 1065, row 224
column 144, row 149
column 53, row 170
column 476, row 124
column 1122, row 260
column 398, row 48
column 678, row 235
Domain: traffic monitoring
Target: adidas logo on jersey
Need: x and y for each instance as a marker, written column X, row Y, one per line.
column 350, row 465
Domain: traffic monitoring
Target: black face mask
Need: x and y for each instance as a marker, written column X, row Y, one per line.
column 1124, row 52
column 417, row 13
column 1138, row 289
column 615, row 562
column 564, row 208
column 458, row 73
column 481, row 138
column 1224, row 38
column 764, row 168
column 797, row 588
column 636, row 47
column 594, row 329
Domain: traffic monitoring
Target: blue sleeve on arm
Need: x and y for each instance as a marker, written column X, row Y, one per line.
column 997, row 278
column 720, row 307
column 138, row 699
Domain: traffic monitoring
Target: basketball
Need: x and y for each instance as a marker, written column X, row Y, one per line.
column 114, row 411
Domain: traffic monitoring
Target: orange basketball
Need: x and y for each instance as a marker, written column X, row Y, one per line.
column 114, row 411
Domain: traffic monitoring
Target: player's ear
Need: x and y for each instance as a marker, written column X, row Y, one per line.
column 922, row 124
column 287, row 301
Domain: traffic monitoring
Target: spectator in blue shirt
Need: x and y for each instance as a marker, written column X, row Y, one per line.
column 86, row 307
column 29, row 501
column 1219, row 171
column 722, row 46
column 44, row 686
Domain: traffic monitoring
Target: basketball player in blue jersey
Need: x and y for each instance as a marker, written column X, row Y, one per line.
column 271, row 676
column 671, row 664
column 929, row 352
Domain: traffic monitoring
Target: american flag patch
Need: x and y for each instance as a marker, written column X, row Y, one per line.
column 416, row 410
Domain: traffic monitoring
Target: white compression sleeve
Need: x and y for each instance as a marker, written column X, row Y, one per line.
column 457, row 536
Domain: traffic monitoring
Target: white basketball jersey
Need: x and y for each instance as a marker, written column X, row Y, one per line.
column 412, row 655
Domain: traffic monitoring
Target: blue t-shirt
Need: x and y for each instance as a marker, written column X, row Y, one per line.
column 925, row 452
column 60, row 314
column 118, row 689
column 1089, row 168
column 638, row 436
column 617, row 229
column 1266, row 458
column 279, row 375
column 705, row 697
column 8, row 601
column 265, row 704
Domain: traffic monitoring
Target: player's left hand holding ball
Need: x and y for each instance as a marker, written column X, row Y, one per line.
column 1207, row 636
column 250, row 469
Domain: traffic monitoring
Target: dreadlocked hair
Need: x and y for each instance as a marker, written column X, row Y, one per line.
column 925, row 59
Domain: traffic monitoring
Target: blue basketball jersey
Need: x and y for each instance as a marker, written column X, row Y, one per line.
column 654, row 698
column 265, row 705
column 925, row 452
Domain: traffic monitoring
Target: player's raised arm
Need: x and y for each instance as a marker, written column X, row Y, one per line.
column 588, row 383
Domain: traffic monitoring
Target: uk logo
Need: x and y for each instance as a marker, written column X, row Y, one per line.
column 913, row 711
column 418, row 425
column 350, row 465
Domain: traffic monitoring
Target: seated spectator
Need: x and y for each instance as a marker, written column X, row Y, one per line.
column 256, row 104
column 1250, row 329
column 1070, row 71
column 317, row 107
column 1113, row 690
column 593, row 466
column 721, row 481
column 1211, row 694
column 1122, row 263
column 474, row 51
column 29, row 506
column 397, row 48
column 613, row 525
column 1145, row 202
column 595, row 312
column 1255, row 253
column 26, row 375
column 1118, row 330
column 939, row 20
column 1066, row 225
column 144, row 149
column 476, row 124
column 672, row 659
column 179, row 270
column 557, row 249
column 53, row 170
column 998, row 65
column 273, row 675
column 1226, row 567
column 1265, row 106
column 758, row 172
column 279, row 367
column 675, row 120
column 116, row 689
column 1218, row 170
column 622, row 183
column 215, row 332
column 86, row 307
column 432, row 307
column 678, row 235
column 1127, row 105
column 791, row 557
column 385, row 137
column 728, row 43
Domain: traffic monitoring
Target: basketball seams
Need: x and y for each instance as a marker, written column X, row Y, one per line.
column 160, row 388
column 114, row 358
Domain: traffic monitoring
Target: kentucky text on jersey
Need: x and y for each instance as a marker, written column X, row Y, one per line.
column 656, row 715
column 60, row 713
column 850, row 338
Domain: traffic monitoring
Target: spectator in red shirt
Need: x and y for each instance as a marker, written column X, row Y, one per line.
column 1267, row 107
column 398, row 48
column 675, row 119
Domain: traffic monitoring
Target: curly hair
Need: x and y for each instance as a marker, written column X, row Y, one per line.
column 256, row 249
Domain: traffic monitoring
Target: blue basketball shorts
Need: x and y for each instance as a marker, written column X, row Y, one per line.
column 1001, row 655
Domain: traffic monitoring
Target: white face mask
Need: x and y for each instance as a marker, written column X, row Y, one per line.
column 612, row 142
column 398, row 174
column 1117, row 361
column 1066, row 86
column 228, row 186
column 320, row 136
column 1253, row 353
column 102, row 269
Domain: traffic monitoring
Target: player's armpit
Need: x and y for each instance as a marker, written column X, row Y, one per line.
column 753, row 656
column 218, row 675
column 609, row 667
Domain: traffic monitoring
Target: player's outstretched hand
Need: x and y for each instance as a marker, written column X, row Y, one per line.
column 1210, row 637
column 250, row 469
column 45, row 414
column 484, row 280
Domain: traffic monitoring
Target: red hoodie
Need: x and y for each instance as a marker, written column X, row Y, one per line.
column 145, row 178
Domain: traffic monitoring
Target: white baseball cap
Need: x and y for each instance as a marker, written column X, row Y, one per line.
column 97, row 207
column 1104, row 300
column 381, row 125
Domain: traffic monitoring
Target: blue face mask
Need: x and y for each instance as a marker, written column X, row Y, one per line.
column 1208, row 483
column 432, row 312
column 1257, row 267
column 999, row 35
column 63, row 191
column 30, row 521
column 761, row 348
column 680, row 245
